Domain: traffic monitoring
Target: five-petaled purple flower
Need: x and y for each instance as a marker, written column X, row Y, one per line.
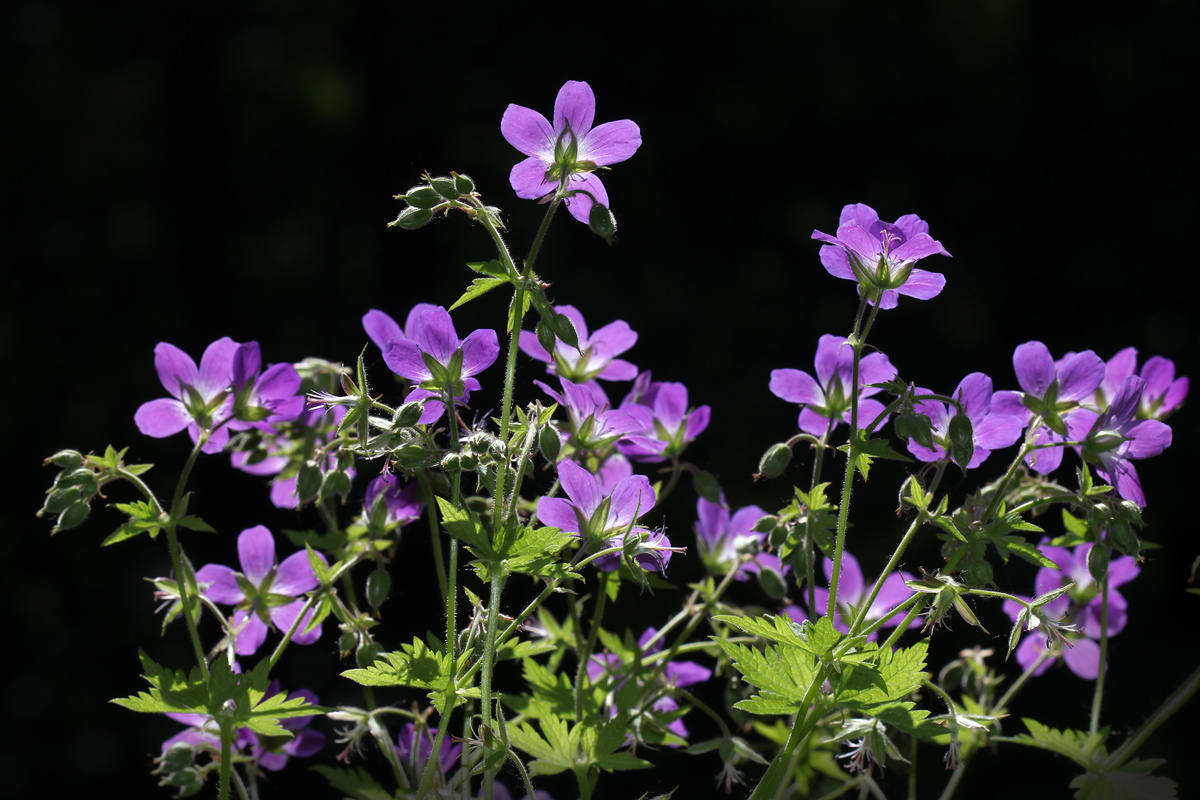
column 596, row 356
column 260, row 399
column 1163, row 393
column 880, row 255
column 990, row 431
column 400, row 501
column 852, row 591
column 432, row 355
column 1052, row 393
column 200, row 398
column 564, row 155
column 263, row 592
column 1116, row 437
column 826, row 399
column 723, row 534
column 1082, row 605
column 666, row 419
column 604, row 519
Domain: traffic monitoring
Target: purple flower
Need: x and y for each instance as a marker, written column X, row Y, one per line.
column 1081, row 606
column 990, row 431
column 1052, row 394
column 826, row 399
column 1163, row 393
column 416, row 757
column 852, row 591
column 679, row 674
column 880, row 255
column 1117, row 437
column 200, row 398
column 563, row 156
column 293, row 449
column 596, row 356
column 668, row 420
column 261, row 590
column 604, row 518
column 381, row 329
column 261, row 399
column 433, row 356
column 721, row 534
column 595, row 424
column 401, row 502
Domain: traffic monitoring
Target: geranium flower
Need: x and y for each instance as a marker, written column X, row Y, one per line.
column 401, row 501
column 433, row 356
column 667, row 419
column 852, row 590
column 1163, row 393
column 200, row 398
column 264, row 592
column 565, row 155
column 595, row 424
column 990, row 431
column 828, row 397
column 603, row 519
column 1117, row 437
column 720, row 533
column 1053, row 391
column 596, row 356
column 261, row 399
column 381, row 329
column 880, row 255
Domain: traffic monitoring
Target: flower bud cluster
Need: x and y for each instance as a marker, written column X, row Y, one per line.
column 436, row 194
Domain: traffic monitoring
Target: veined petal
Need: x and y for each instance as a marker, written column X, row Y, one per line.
column 581, row 486
column 611, row 142
column 256, row 553
column 556, row 512
column 618, row 370
column 284, row 616
column 922, row 285
column 436, row 335
column 858, row 240
column 174, row 367
column 632, row 498
column 222, row 584
column 216, row 367
column 247, row 363
column 531, row 347
column 252, row 634
column 975, row 393
column 1080, row 376
column 997, row 431
column 295, row 575
column 576, row 106
column 480, row 349
column 875, row 368
column 697, row 423
column 796, row 386
column 278, row 382
column 528, row 131
column 860, row 213
column 403, row 357
column 380, row 328
column 580, row 205
column 1083, row 659
column 1148, row 438
column 610, row 340
column 1034, row 368
column 162, row 418
column 919, row 246
column 528, row 178
column 835, row 261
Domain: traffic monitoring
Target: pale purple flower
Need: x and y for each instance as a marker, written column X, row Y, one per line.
column 604, row 518
column 567, row 152
column 381, row 329
column 668, row 420
column 200, row 398
column 1163, row 393
column 1117, row 437
column 596, row 356
column 721, row 533
column 301, row 442
column 416, row 757
column 680, row 674
column 852, row 591
column 1052, row 392
column 990, row 431
column 1081, row 606
column 595, row 424
column 880, row 255
column 262, row 398
column 401, row 501
column 271, row 584
column 827, row 397
column 432, row 355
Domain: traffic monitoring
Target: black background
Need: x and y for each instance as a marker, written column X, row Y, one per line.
column 184, row 173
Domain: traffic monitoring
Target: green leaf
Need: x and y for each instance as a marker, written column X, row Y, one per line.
column 421, row 666
column 193, row 524
column 466, row 526
column 356, row 783
column 783, row 676
column 777, row 628
column 1079, row 746
column 1132, row 781
column 478, row 286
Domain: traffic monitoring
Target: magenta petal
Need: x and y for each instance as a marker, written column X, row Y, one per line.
column 922, row 285
column 295, row 575
column 1030, row 649
column 216, row 367
column 555, row 512
column 161, row 418
column 1083, row 659
column 222, row 584
column 581, row 486
column 279, row 381
column 611, row 142
column 403, row 357
column 575, row 106
column 685, row 673
column 618, row 370
column 1080, row 376
column 835, row 261
column 796, row 386
column 251, row 635
column 1034, row 368
column 285, row 616
column 174, row 367
column 256, row 552
column 860, row 213
column 528, row 179
column 306, row 743
column 610, row 340
column 919, row 246
column 531, row 347
column 632, row 497
column 480, row 349
column 380, row 328
column 247, row 363
column 436, row 335
column 580, row 205
column 998, row 431
column 875, row 368
column 1148, row 438
column 697, row 422
column 528, row 131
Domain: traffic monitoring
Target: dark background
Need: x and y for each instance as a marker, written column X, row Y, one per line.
column 184, row 173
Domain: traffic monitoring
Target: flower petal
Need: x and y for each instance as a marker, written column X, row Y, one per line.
column 256, row 553
column 580, row 205
column 611, row 142
column 403, row 357
column 480, row 349
column 380, row 328
column 528, row 178
column 162, row 418
column 528, row 131
column 575, row 106
column 222, row 584
column 295, row 575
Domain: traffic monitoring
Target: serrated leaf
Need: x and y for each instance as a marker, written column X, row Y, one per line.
column 421, row 666
column 783, row 676
column 193, row 523
column 478, row 287
column 1132, row 781
column 1079, row 746
column 775, row 628
column 466, row 526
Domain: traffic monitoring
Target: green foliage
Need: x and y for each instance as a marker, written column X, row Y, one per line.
column 1131, row 781
column 420, row 666
column 585, row 748
column 867, row 450
column 517, row 548
column 355, row 783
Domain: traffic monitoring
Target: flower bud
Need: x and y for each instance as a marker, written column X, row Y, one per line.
column 423, row 197
column 411, row 218
column 564, row 329
column 368, row 653
column 602, row 222
column 347, row 642
column 410, row 456
column 308, row 482
column 67, row 459
column 707, row 487
column 446, row 187
column 962, row 440
column 549, row 443
column 72, row 517
column 772, row 583
column 407, row 415
column 545, row 336
column 463, row 183
column 774, row 461
column 379, row 585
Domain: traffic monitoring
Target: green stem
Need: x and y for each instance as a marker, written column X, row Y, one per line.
column 585, row 653
column 1098, row 694
column 801, row 727
column 865, row 605
column 485, row 677
column 177, row 562
column 434, row 535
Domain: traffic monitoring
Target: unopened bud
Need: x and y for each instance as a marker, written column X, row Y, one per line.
column 602, row 222
column 463, row 183
column 67, row 459
column 407, row 415
column 774, row 461
column 379, row 585
column 423, row 197
column 445, row 187
column 411, row 218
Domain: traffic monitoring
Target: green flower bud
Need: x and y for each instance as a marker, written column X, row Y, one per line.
column 446, row 187
column 347, row 642
column 564, row 329
column 308, row 482
column 368, row 653
column 772, row 583
column 411, row 218
column 602, row 222
column 463, row 183
column 410, row 456
column 336, row 483
column 962, row 440
column 452, row 462
column 774, row 461
column 379, row 585
column 545, row 336
column 1097, row 562
column 72, row 517
column 58, row 499
column 549, row 443
column 67, row 459
column 707, row 487
column 407, row 415
column 423, row 197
